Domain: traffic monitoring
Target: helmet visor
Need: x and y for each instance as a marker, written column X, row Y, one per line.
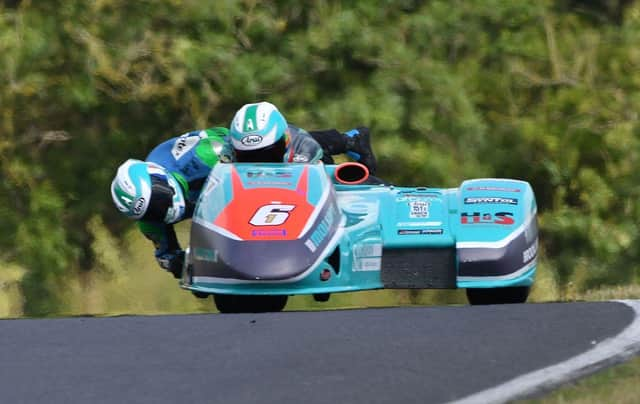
column 269, row 154
column 161, row 199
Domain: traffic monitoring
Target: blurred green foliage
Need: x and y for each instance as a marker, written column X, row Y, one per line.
column 546, row 91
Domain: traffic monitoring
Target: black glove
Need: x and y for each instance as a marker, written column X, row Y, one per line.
column 358, row 145
column 172, row 262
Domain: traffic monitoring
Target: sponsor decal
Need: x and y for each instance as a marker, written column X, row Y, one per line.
column 415, row 197
column 490, row 200
column 493, row 189
column 419, row 209
column 406, row 232
column 269, row 183
column 321, row 232
column 501, row 218
column 367, row 256
column 269, row 233
column 139, row 205
column 413, row 232
column 312, row 247
column 205, row 254
column 368, row 250
column 251, row 140
column 269, row 173
column 271, row 215
column 530, row 253
column 183, row 145
column 367, row 264
column 300, row 158
column 419, row 224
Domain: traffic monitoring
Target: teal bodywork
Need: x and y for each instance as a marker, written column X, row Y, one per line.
column 482, row 234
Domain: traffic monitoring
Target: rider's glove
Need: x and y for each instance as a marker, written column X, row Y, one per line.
column 359, row 147
column 172, row 262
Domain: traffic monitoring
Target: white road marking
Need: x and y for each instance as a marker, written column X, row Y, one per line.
column 610, row 351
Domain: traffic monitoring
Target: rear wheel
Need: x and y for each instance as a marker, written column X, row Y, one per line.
column 513, row 294
column 249, row 303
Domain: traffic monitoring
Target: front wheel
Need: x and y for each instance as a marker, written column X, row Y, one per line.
column 513, row 294
column 200, row 295
column 321, row 297
column 249, row 303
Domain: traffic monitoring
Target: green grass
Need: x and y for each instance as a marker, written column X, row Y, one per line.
column 619, row 385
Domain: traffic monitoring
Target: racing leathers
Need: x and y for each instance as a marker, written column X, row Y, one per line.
column 190, row 157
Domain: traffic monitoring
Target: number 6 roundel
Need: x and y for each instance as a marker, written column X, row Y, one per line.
column 266, row 213
column 271, row 215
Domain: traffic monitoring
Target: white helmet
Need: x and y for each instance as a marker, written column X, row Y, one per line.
column 144, row 190
column 258, row 133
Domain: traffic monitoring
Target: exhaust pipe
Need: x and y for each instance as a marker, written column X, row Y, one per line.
column 351, row 173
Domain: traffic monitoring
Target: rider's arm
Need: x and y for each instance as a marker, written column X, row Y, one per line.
column 167, row 248
column 162, row 235
column 355, row 143
column 302, row 148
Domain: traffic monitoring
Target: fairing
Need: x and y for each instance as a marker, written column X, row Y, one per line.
column 278, row 229
column 276, row 223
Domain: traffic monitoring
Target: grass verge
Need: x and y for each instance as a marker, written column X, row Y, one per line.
column 618, row 384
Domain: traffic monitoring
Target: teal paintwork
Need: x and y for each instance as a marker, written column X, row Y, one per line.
column 485, row 220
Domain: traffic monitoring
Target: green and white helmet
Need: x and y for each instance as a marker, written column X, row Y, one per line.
column 259, row 133
column 144, row 190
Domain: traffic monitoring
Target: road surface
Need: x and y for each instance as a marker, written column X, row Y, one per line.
column 404, row 355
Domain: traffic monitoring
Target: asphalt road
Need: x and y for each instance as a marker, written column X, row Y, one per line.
column 404, row 355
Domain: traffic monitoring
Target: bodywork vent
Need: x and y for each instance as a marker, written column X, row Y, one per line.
column 419, row 268
column 334, row 260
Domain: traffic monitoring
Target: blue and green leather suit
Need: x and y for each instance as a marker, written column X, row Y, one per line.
column 191, row 156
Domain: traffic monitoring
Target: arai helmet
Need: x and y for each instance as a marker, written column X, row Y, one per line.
column 258, row 133
column 144, row 190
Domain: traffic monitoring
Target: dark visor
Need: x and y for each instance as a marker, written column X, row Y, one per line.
column 161, row 200
column 269, row 154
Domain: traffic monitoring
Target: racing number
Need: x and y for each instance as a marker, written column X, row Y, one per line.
column 271, row 215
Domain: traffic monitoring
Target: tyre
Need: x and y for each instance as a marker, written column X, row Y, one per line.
column 249, row 303
column 200, row 295
column 513, row 294
column 321, row 297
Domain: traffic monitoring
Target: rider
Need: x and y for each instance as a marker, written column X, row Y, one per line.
column 259, row 133
column 162, row 190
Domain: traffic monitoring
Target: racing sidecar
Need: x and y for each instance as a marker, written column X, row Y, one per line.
column 262, row 232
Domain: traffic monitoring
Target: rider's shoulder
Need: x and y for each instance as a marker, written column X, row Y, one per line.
column 295, row 131
column 217, row 132
column 213, row 132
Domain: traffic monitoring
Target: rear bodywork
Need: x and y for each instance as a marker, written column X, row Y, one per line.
column 294, row 229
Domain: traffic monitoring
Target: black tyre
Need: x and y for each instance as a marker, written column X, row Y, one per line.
column 514, row 294
column 321, row 297
column 249, row 303
column 200, row 295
